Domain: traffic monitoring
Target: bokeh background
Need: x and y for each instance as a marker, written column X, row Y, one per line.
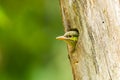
column 28, row 48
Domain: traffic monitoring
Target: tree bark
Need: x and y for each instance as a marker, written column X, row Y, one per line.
column 97, row 52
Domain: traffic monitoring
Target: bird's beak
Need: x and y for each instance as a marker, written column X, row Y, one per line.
column 61, row 38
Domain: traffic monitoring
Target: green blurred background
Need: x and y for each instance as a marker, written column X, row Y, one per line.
column 28, row 48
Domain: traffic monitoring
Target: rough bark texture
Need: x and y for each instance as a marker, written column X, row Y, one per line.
column 97, row 52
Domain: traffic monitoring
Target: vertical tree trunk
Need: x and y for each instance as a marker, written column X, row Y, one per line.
column 97, row 52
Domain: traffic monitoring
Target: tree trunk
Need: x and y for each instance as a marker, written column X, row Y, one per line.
column 97, row 52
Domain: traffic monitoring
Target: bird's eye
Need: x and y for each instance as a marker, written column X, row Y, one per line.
column 69, row 36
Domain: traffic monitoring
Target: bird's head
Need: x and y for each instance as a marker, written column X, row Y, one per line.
column 69, row 37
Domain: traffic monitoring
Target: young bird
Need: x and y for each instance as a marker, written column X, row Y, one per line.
column 69, row 37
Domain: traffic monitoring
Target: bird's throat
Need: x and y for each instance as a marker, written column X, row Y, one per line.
column 71, row 43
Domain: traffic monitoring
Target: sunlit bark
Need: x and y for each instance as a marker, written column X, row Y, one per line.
column 97, row 52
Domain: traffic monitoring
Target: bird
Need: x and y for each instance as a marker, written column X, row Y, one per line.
column 69, row 37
